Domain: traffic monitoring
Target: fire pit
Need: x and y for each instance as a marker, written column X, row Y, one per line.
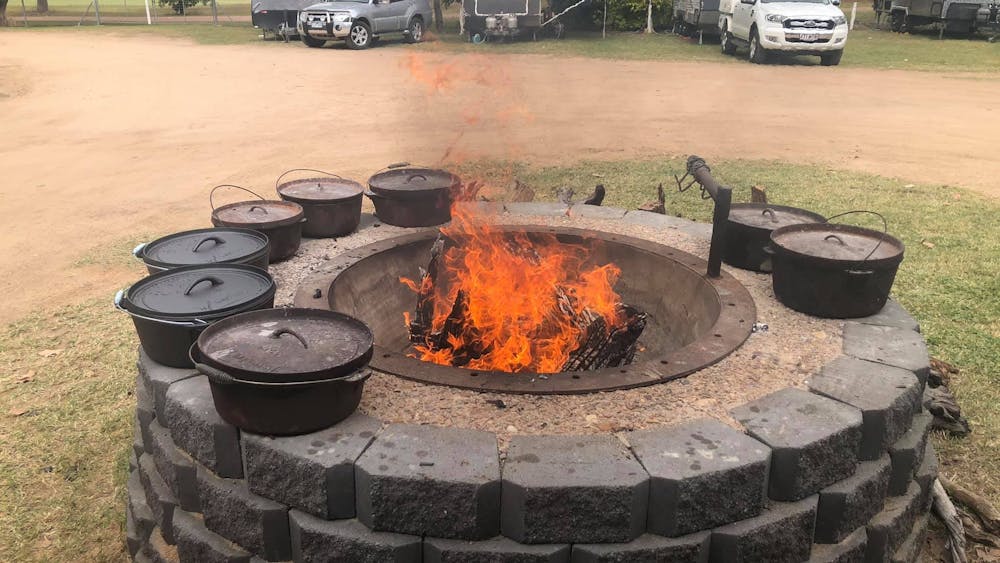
column 693, row 320
column 801, row 439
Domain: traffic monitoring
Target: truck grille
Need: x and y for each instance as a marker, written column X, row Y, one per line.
column 808, row 23
column 319, row 17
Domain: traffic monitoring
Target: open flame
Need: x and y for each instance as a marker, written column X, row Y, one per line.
column 523, row 298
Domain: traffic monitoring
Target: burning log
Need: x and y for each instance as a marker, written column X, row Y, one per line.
column 601, row 347
column 423, row 318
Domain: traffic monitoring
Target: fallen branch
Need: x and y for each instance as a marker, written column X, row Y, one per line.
column 948, row 514
column 974, row 502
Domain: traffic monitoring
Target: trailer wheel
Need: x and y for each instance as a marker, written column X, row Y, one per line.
column 360, row 36
column 726, row 41
column 312, row 41
column 758, row 54
column 831, row 59
column 415, row 33
column 897, row 21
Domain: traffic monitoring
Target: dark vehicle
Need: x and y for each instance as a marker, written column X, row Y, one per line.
column 696, row 18
column 507, row 19
column 278, row 17
column 951, row 16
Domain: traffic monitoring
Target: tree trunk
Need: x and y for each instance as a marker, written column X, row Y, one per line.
column 3, row 13
column 438, row 16
column 41, row 6
column 649, row 17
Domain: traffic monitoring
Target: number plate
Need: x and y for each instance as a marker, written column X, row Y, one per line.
column 808, row 37
column 317, row 25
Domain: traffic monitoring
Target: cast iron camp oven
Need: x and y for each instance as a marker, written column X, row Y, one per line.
column 407, row 196
column 285, row 371
column 749, row 232
column 834, row 271
column 220, row 245
column 332, row 205
column 172, row 307
column 280, row 221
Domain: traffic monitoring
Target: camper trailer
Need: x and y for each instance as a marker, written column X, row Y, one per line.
column 696, row 18
column 278, row 17
column 492, row 20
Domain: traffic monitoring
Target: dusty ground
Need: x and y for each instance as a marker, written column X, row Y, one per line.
column 104, row 138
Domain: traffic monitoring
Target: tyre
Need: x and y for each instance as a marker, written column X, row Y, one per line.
column 726, row 42
column 312, row 41
column 360, row 36
column 758, row 54
column 831, row 59
column 415, row 32
column 897, row 21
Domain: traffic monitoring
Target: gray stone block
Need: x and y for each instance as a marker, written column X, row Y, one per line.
column 133, row 538
column 442, row 482
column 197, row 544
column 889, row 529
column 887, row 397
column 782, row 533
column 647, row 548
column 313, row 472
column 596, row 211
column 138, row 507
column 894, row 315
column 572, row 489
column 343, row 541
column 157, row 550
column 159, row 498
column 257, row 524
column 888, row 345
column 145, row 407
column 701, row 475
column 657, row 221
column 550, row 209
column 495, row 550
column 175, row 467
column 849, row 504
column 850, row 550
column 197, row 428
column 138, row 445
column 927, row 473
column 908, row 453
column 158, row 378
column 814, row 440
column 909, row 552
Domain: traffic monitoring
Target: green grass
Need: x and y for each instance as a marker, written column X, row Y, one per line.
column 76, row 8
column 67, row 419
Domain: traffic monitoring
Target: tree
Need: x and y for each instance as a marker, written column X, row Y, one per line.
column 3, row 13
column 41, row 6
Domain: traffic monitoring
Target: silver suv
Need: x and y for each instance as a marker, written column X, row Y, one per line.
column 361, row 22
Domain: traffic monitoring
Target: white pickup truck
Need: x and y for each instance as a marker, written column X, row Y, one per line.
column 799, row 27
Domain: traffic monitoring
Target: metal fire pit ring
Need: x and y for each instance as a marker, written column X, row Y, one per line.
column 733, row 325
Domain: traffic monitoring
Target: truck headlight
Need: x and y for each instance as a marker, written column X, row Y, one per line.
column 840, row 20
column 342, row 17
column 776, row 18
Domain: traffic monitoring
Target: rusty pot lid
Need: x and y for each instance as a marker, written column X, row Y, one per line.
column 320, row 190
column 287, row 345
column 204, row 246
column 199, row 292
column 263, row 214
column 838, row 243
column 770, row 217
column 413, row 183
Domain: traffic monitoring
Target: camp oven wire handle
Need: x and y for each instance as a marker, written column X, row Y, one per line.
column 120, row 298
column 211, row 194
column 286, row 172
column 885, row 231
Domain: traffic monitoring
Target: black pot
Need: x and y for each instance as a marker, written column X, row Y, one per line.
column 748, row 232
column 285, row 371
column 280, row 221
column 205, row 246
column 834, row 271
column 407, row 196
column 332, row 205
column 170, row 309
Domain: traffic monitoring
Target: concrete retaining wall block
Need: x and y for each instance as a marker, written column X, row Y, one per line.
column 908, row 453
column 851, row 503
column 197, row 428
column 196, row 543
column 496, row 550
column 888, row 345
column 160, row 499
column 348, row 540
column 257, row 524
column 783, row 533
column 647, row 548
column 175, row 467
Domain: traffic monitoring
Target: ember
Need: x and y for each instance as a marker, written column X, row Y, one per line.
column 492, row 301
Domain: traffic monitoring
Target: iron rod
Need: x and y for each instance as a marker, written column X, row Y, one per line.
column 723, row 198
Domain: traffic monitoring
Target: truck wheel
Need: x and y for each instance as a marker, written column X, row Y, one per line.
column 831, row 59
column 360, row 36
column 726, row 42
column 897, row 22
column 312, row 41
column 758, row 54
column 415, row 33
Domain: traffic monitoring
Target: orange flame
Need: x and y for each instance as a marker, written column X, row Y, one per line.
column 512, row 321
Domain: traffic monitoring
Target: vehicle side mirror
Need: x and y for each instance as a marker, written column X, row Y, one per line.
column 836, row 2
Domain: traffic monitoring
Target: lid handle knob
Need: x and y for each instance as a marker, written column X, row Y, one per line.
column 412, row 176
column 281, row 331
column 212, row 238
column 836, row 238
column 214, row 280
column 769, row 211
column 252, row 207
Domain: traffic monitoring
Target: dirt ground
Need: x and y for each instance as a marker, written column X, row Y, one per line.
column 105, row 138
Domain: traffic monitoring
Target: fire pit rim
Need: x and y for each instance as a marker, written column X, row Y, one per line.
column 733, row 326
